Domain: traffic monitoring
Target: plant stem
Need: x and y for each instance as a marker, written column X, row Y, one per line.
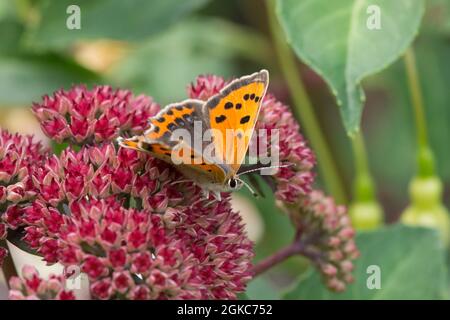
column 416, row 97
column 425, row 156
column 274, row 259
column 360, row 154
column 303, row 108
column 300, row 246
column 364, row 186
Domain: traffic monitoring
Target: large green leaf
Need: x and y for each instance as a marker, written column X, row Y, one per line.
column 25, row 78
column 165, row 64
column 411, row 261
column 261, row 289
column 116, row 19
column 332, row 37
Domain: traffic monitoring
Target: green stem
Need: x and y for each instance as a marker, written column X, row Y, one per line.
column 364, row 186
column 303, row 108
column 425, row 156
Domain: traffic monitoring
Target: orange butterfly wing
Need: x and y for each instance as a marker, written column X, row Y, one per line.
column 233, row 114
column 157, row 139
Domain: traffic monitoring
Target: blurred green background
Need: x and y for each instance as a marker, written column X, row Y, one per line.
column 158, row 47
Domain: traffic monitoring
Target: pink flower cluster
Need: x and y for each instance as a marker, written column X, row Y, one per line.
column 18, row 157
column 192, row 252
column 83, row 116
column 176, row 245
column 327, row 237
column 293, row 182
column 131, row 222
column 32, row 287
column 205, row 87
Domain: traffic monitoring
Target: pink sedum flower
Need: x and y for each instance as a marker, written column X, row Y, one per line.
column 84, row 116
column 295, row 181
column 205, row 87
column 32, row 287
column 204, row 254
column 19, row 155
column 332, row 248
column 135, row 228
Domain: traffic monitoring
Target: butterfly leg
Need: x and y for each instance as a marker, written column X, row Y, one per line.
column 217, row 196
column 205, row 194
column 181, row 181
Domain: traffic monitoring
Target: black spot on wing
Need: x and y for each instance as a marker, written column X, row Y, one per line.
column 187, row 118
column 220, row 119
column 238, row 106
column 228, row 105
column 171, row 126
column 179, row 122
column 245, row 119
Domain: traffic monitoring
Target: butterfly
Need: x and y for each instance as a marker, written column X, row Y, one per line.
column 234, row 109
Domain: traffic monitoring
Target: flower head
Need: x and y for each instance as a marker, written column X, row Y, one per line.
column 327, row 238
column 135, row 228
column 19, row 155
column 295, row 181
column 33, row 287
column 205, row 87
column 184, row 253
column 83, row 116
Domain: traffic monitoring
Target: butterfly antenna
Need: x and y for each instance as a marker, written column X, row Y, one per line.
column 269, row 167
column 248, row 187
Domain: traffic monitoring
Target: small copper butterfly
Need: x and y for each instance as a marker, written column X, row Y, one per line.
column 235, row 108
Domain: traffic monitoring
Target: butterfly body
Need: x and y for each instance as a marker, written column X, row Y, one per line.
column 227, row 120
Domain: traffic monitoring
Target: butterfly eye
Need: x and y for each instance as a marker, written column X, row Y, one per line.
column 232, row 183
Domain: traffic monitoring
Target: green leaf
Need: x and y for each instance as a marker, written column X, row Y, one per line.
column 261, row 289
column 115, row 19
column 242, row 296
column 332, row 37
column 165, row 64
column 25, row 78
column 411, row 262
column 10, row 33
